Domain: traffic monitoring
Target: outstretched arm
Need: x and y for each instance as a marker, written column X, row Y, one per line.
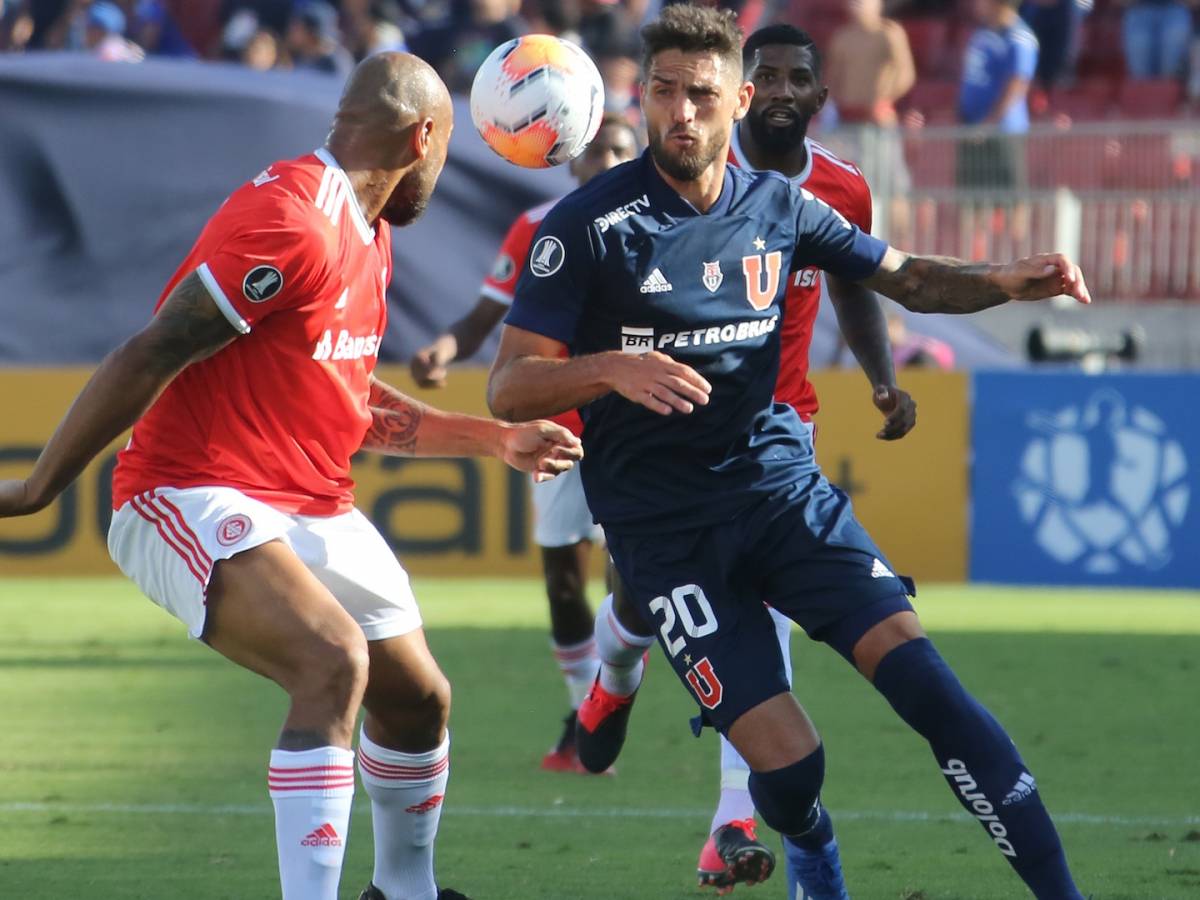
column 459, row 341
column 188, row 327
column 941, row 284
column 530, row 377
column 864, row 327
column 402, row 426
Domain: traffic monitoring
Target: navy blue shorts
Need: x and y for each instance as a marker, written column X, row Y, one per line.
column 801, row 550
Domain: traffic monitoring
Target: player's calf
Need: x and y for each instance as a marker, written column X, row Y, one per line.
column 980, row 763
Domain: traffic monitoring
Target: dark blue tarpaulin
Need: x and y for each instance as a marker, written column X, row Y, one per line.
column 109, row 171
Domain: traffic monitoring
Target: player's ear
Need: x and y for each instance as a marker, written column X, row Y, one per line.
column 423, row 138
column 822, row 96
column 744, row 96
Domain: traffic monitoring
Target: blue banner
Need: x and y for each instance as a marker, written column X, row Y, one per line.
column 1086, row 479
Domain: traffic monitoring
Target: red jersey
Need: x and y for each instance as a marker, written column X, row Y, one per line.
column 501, row 283
column 842, row 186
column 293, row 264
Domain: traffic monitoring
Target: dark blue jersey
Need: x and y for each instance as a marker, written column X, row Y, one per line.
column 625, row 263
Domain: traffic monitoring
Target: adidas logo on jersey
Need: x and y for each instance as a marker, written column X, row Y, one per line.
column 879, row 570
column 346, row 346
column 325, row 836
column 1022, row 790
column 655, row 283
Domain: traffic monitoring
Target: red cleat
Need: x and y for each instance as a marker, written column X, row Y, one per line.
column 734, row 855
column 564, row 756
column 602, row 723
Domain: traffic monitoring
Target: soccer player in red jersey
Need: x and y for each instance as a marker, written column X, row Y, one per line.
column 563, row 525
column 251, row 387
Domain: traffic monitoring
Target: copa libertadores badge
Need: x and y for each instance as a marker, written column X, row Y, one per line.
column 262, row 283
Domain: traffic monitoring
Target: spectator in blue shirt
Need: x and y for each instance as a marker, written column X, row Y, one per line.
column 999, row 64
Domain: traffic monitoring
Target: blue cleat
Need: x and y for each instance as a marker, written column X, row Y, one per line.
column 814, row 875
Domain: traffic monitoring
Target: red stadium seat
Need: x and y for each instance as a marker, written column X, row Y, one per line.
column 1149, row 99
column 1089, row 99
column 1101, row 54
column 935, row 98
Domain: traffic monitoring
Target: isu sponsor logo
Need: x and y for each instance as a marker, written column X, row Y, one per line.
column 232, row 529
column 426, row 806
column 622, row 212
column 730, row 333
column 978, row 804
column 346, row 346
column 325, row 836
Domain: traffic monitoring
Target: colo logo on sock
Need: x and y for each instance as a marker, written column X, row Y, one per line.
column 979, row 804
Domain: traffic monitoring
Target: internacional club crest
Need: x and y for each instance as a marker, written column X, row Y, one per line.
column 1103, row 485
column 232, row 529
column 712, row 277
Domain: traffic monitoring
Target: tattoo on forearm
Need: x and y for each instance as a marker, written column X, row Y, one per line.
column 395, row 420
column 941, row 284
column 188, row 327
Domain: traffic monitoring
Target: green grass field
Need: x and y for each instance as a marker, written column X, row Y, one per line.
column 132, row 761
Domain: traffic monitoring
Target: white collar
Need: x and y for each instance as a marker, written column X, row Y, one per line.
column 365, row 231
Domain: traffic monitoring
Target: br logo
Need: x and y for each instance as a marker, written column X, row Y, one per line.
column 1103, row 485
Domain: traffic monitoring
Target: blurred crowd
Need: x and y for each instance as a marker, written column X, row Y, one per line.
column 1001, row 48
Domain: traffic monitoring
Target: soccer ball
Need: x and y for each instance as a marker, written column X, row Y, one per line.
column 537, row 101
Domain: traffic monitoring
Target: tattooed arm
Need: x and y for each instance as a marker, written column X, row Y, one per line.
column 402, row 426
column 941, row 284
column 188, row 327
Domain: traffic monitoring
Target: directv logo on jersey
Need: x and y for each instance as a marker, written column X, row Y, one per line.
column 632, row 208
column 655, row 283
column 636, row 341
column 346, row 347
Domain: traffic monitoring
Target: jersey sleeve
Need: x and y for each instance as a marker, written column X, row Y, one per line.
column 257, row 268
column 552, row 288
column 827, row 240
column 1024, row 56
column 862, row 214
column 501, row 282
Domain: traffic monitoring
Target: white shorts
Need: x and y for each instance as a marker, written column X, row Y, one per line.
column 560, row 512
column 167, row 541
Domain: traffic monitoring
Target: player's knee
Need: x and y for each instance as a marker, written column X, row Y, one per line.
column 334, row 672
column 787, row 798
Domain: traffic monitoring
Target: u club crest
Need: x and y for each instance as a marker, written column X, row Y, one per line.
column 713, row 276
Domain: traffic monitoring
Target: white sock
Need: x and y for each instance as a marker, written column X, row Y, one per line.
column 578, row 664
column 406, row 791
column 735, row 802
column 312, row 791
column 620, row 652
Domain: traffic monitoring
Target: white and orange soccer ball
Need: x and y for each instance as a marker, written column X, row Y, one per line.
column 537, row 101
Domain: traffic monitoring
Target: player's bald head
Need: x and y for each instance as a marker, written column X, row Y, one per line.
column 393, row 123
column 390, row 92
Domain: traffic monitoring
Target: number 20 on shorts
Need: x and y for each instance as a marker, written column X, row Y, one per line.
column 678, row 611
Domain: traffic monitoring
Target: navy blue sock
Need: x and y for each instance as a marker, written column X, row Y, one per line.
column 816, row 837
column 787, row 798
column 980, row 763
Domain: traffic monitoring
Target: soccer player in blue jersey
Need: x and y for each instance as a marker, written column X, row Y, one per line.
column 663, row 280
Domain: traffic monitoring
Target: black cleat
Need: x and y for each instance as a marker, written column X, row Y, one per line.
column 600, row 727
column 734, row 855
column 373, row 893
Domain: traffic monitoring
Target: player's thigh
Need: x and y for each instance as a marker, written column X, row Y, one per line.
column 709, row 619
column 820, row 567
column 349, row 556
column 774, row 734
column 269, row 614
column 561, row 516
column 210, row 553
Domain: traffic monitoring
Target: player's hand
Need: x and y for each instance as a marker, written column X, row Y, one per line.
column 659, row 383
column 899, row 412
column 539, row 447
column 428, row 365
column 1042, row 276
